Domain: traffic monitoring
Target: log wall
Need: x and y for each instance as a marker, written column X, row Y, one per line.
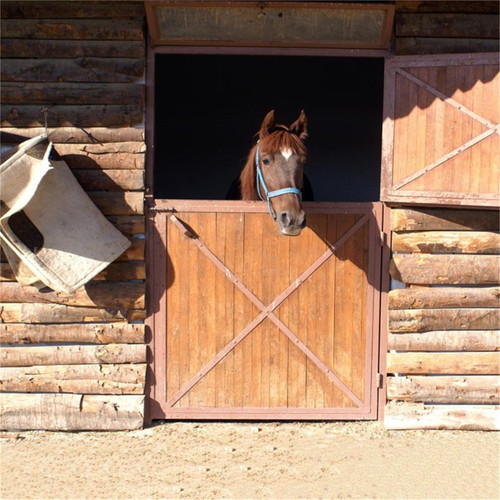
column 446, row 27
column 78, row 361
column 443, row 360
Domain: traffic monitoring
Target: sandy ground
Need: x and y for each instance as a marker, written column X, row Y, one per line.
column 251, row 460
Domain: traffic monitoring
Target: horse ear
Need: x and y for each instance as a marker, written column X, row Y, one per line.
column 299, row 127
column 267, row 124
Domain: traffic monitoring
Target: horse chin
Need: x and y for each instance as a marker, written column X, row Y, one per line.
column 291, row 231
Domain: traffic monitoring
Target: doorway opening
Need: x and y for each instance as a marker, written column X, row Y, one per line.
column 209, row 107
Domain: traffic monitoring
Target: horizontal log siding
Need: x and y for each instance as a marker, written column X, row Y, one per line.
column 444, row 327
column 444, row 27
column 77, row 361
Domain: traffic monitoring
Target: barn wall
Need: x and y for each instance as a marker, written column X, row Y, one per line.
column 445, row 27
column 78, row 361
column 443, row 362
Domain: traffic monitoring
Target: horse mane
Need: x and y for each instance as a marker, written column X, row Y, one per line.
column 280, row 138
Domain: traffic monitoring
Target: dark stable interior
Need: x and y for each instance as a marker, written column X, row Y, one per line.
column 208, row 109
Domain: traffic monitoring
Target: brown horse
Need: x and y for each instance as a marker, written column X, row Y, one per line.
column 274, row 172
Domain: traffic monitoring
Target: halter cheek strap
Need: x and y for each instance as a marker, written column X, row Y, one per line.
column 271, row 194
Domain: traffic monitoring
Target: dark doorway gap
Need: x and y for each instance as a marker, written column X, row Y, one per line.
column 209, row 107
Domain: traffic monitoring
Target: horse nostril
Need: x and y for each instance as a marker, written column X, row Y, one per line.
column 285, row 219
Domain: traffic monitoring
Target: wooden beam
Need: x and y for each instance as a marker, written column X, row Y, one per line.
column 79, row 135
column 480, row 340
column 64, row 93
column 432, row 45
column 70, row 412
column 82, row 333
column 489, row 6
column 455, row 363
column 76, row 379
column 425, row 269
column 73, row 29
column 50, row 49
column 72, row 354
column 93, row 294
column 428, row 320
column 99, row 115
column 71, row 10
column 477, row 389
column 448, row 25
column 403, row 416
column 56, row 313
column 439, row 219
column 444, row 297
column 469, row 242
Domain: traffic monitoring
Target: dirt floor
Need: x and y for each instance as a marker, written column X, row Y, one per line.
column 251, row 461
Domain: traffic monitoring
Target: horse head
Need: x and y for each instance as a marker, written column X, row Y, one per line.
column 275, row 172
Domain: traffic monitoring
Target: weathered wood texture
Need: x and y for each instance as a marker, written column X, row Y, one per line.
column 71, row 412
column 477, row 389
column 444, row 297
column 450, row 332
column 71, row 333
column 461, row 363
column 84, row 62
column 422, row 416
column 436, row 219
column 72, row 354
column 435, row 269
column 451, row 340
column 76, row 379
column 444, row 27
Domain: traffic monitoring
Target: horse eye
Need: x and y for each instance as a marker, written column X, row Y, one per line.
column 265, row 161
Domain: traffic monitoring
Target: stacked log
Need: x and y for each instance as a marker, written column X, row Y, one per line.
column 78, row 361
column 443, row 362
column 444, row 27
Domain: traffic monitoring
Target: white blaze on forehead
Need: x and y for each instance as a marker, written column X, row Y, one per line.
column 286, row 152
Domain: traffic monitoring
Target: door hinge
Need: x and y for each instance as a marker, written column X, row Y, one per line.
column 380, row 380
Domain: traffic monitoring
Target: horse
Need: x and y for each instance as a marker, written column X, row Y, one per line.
column 274, row 172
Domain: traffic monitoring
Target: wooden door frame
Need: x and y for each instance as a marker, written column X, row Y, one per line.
column 375, row 342
column 154, row 291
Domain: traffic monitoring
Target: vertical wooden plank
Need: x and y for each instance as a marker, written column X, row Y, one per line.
column 432, row 127
column 296, row 372
column 276, row 257
column 252, row 353
column 193, row 284
column 402, row 109
column 490, row 148
column 452, row 127
column 241, row 314
column 223, row 294
column 174, row 329
column 359, row 313
column 347, row 296
column 330, row 285
column 207, row 300
column 474, row 102
column 421, row 119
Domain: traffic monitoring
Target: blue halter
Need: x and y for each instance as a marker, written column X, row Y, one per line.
column 271, row 194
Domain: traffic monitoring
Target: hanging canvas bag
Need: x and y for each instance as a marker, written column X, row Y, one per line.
column 49, row 228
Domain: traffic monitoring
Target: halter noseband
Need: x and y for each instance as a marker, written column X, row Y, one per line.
column 271, row 194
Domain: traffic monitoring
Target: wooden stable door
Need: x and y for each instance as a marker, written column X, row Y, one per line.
column 441, row 140
column 250, row 324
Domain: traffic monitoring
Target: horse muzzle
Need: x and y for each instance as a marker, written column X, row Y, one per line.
column 291, row 224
